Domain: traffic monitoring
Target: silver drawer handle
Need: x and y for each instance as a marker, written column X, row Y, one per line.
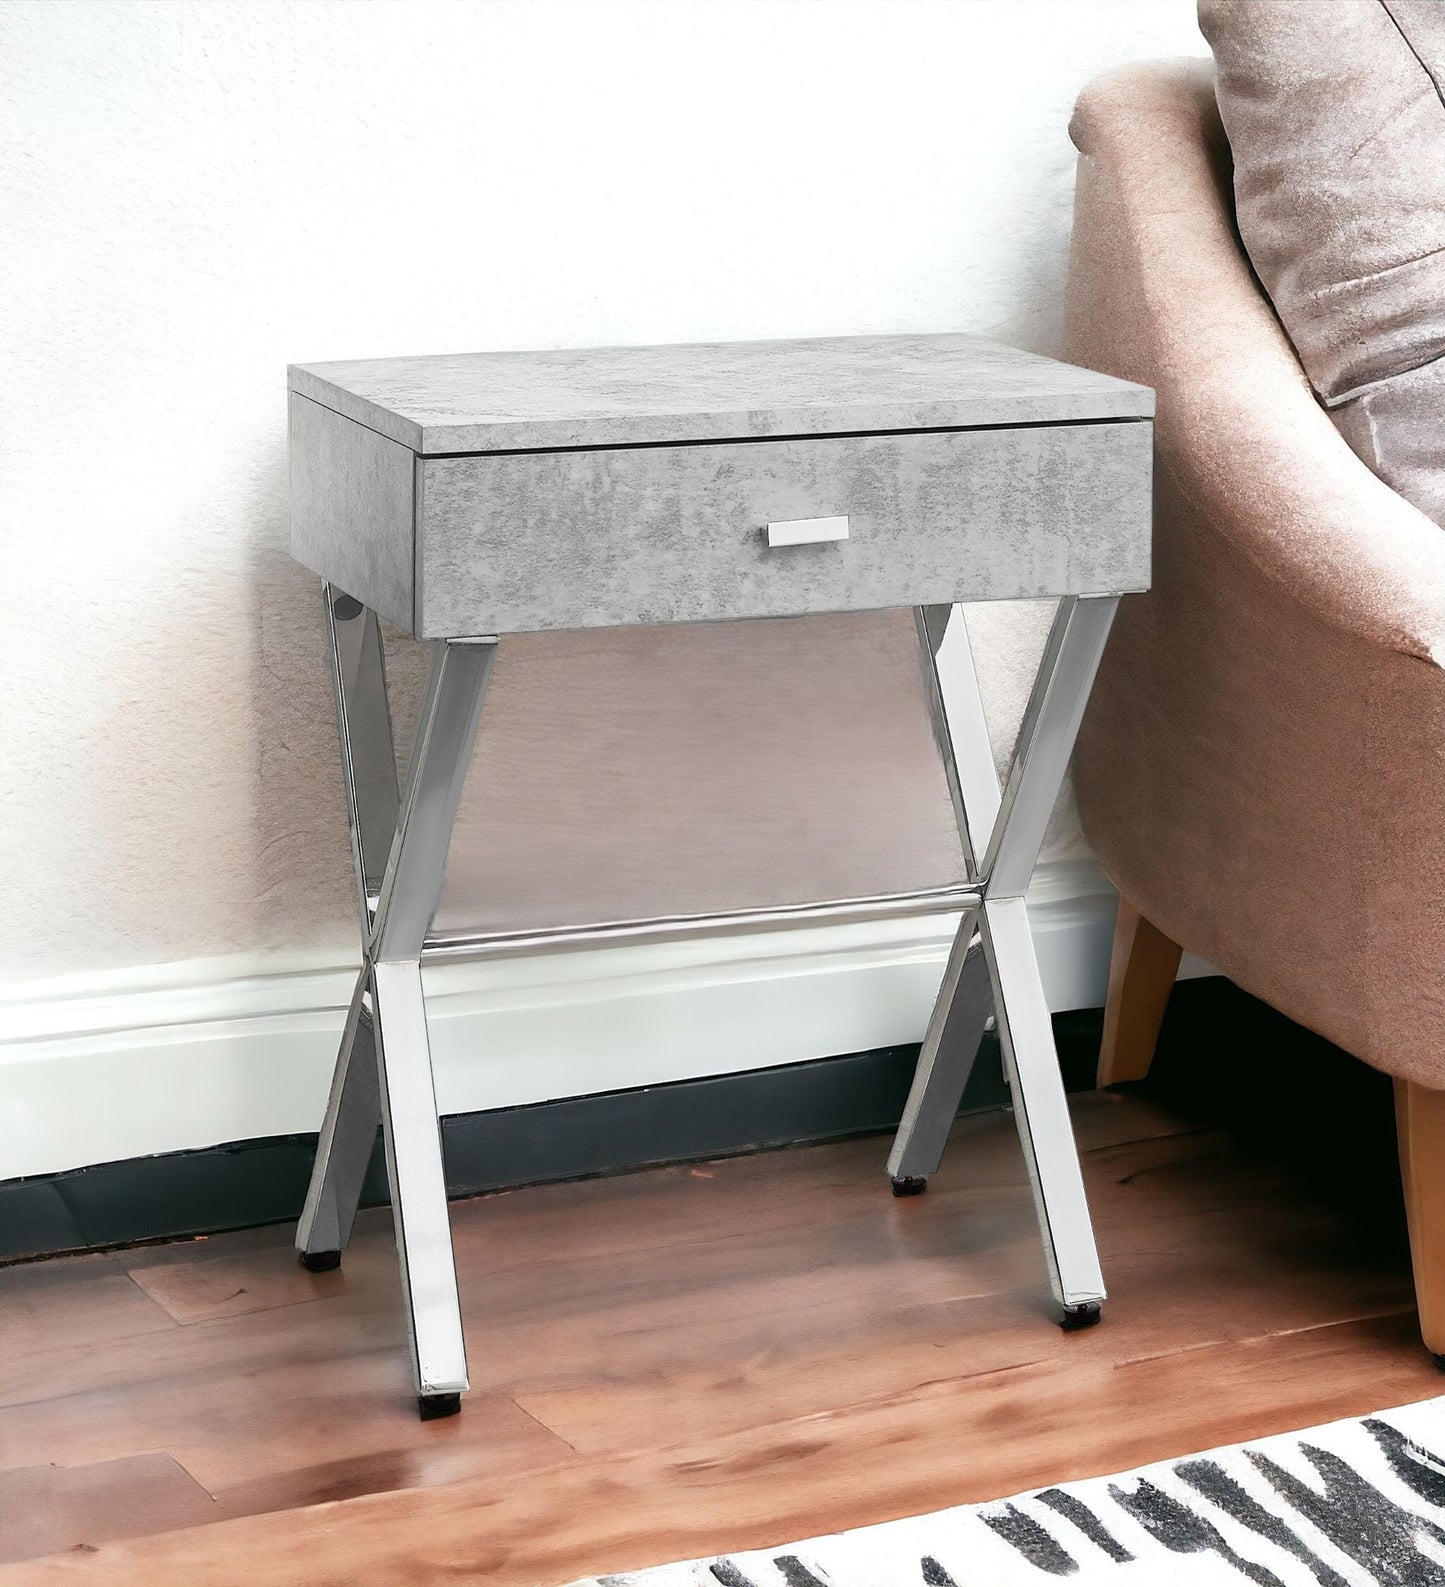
column 804, row 531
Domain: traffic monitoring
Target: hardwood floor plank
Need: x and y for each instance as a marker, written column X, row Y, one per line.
column 501, row 1444
column 232, row 1428
column 563, row 1246
column 956, row 1442
column 564, row 1325
column 72, row 1306
column 690, row 1359
column 355, row 1321
column 1244, row 1270
column 45, row 1509
column 599, row 1347
column 256, row 1280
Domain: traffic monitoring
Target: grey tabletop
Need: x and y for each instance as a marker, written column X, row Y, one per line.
column 710, row 391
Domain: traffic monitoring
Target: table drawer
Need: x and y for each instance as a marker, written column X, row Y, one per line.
column 509, row 542
column 537, row 540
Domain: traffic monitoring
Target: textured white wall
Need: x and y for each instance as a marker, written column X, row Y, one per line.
column 196, row 194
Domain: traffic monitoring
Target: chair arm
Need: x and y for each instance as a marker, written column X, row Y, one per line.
column 1160, row 291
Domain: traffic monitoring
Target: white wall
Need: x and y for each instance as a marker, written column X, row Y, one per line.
column 197, row 193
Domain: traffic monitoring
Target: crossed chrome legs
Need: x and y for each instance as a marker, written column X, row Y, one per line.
column 998, row 975
column 383, row 1070
column 399, row 845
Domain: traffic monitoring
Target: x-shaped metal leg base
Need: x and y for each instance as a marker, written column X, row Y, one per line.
column 997, row 975
column 383, row 1071
column 400, row 841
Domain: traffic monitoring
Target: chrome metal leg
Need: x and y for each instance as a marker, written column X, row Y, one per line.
column 1041, row 1110
column 409, row 895
column 417, row 1175
column 960, row 730
column 368, row 754
column 1007, row 831
column 964, row 1002
column 384, row 1067
column 368, row 777
column 1046, row 740
column 445, row 735
column 348, row 1135
column 935, row 624
column 960, row 1016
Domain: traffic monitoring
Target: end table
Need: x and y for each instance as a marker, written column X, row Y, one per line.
column 466, row 497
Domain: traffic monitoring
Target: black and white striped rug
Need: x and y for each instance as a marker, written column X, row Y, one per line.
column 1356, row 1502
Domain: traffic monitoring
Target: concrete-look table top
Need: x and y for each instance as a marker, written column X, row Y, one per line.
column 710, row 391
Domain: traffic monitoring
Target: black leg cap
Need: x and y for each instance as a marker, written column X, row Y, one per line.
column 909, row 1185
column 320, row 1261
column 434, row 1406
column 1084, row 1315
column 1439, row 1361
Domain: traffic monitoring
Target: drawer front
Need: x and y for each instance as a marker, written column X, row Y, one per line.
column 520, row 542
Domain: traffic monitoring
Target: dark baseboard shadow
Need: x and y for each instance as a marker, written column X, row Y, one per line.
column 1224, row 1059
column 244, row 1183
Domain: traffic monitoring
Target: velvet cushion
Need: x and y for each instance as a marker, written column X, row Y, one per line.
column 1261, row 768
column 1336, row 121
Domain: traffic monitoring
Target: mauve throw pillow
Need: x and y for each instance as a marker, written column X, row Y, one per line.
column 1335, row 111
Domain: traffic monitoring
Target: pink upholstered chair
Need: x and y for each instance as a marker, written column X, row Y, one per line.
column 1262, row 768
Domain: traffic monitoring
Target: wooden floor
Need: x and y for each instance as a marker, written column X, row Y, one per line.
column 681, row 1361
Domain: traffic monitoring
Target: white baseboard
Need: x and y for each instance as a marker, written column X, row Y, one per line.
column 127, row 1064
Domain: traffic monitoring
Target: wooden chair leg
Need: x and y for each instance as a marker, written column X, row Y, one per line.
column 1420, row 1123
column 1141, row 976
